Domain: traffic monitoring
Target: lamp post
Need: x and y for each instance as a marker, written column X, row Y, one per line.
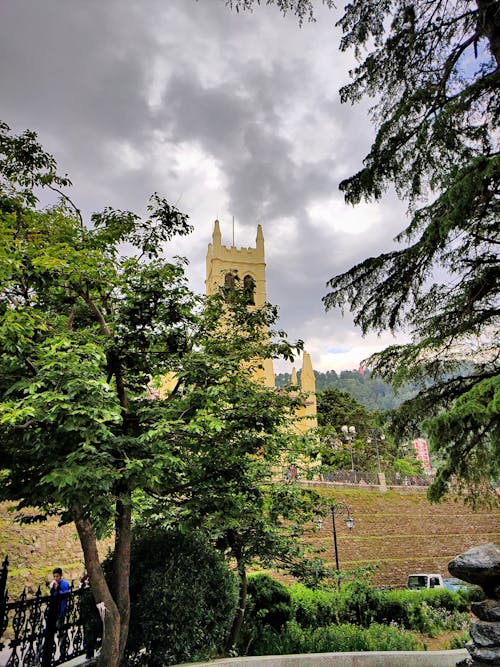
column 376, row 437
column 338, row 509
column 349, row 433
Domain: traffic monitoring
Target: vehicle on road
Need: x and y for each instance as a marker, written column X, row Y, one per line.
column 421, row 580
column 455, row 585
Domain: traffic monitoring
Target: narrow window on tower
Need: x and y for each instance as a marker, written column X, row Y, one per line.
column 249, row 290
column 230, row 280
column 230, row 285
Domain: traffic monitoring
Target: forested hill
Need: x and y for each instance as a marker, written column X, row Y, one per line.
column 373, row 393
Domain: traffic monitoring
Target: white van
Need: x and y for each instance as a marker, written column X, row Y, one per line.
column 417, row 582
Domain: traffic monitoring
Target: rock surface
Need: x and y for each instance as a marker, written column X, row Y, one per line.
column 485, row 634
column 487, row 610
column 481, row 565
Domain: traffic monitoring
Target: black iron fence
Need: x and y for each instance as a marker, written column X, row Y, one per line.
column 370, row 477
column 45, row 630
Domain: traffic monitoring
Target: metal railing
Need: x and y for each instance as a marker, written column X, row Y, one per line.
column 369, row 477
column 46, row 630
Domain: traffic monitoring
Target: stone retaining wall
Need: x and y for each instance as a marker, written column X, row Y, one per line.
column 361, row 659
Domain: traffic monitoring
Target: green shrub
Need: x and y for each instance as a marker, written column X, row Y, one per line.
column 443, row 599
column 430, row 611
column 183, row 598
column 358, row 603
column 268, row 608
column 460, row 641
column 314, row 608
column 355, row 602
column 334, row 638
column 269, row 601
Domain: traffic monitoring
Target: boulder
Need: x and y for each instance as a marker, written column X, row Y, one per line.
column 483, row 656
column 487, row 610
column 479, row 565
column 486, row 635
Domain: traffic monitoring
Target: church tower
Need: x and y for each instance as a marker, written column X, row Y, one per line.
column 249, row 265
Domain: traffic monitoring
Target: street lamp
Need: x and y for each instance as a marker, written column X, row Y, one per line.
column 349, row 433
column 376, row 437
column 338, row 509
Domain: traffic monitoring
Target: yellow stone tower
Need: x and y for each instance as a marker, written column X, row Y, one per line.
column 307, row 417
column 250, row 264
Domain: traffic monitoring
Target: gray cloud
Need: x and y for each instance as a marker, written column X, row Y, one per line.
column 225, row 114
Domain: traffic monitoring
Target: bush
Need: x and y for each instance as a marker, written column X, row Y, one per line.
column 334, row 638
column 355, row 607
column 269, row 601
column 429, row 611
column 314, row 608
column 268, row 608
column 183, row 598
column 358, row 603
column 355, row 602
column 461, row 641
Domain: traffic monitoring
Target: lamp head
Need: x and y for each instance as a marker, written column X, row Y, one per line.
column 349, row 522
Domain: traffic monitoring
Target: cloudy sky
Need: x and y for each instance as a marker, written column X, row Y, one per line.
column 226, row 115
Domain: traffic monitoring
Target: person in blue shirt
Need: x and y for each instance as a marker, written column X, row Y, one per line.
column 59, row 586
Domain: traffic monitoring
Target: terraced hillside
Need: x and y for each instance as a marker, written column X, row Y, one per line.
column 400, row 530
column 35, row 549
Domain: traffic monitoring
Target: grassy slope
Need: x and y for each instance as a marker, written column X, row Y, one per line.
column 400, row 530
column 35, row 549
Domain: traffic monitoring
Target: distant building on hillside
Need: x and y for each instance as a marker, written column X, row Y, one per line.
column 422, row 452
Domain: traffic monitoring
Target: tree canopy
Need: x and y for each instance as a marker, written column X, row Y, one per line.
column 89, row 424
column 432, row 68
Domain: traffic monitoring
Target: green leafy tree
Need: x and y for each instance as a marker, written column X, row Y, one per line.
column 251, row 518
column 84, row 331
column 337, row 408
column 433, row 69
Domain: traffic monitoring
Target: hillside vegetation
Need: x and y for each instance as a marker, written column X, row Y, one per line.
column 35, row 549
column 373, row 393
column 399, row 530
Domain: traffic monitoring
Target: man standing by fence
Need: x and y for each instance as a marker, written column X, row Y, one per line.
column 58, row 587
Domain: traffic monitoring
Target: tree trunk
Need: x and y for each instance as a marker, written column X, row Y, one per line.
column 110, row 650
column 121, row 567
column 240, row 612
column 489, row 25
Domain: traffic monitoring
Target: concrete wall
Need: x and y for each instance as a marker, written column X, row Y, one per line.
column 372, row 659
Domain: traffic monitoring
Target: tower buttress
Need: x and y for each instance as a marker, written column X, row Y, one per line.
column 307, row 379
